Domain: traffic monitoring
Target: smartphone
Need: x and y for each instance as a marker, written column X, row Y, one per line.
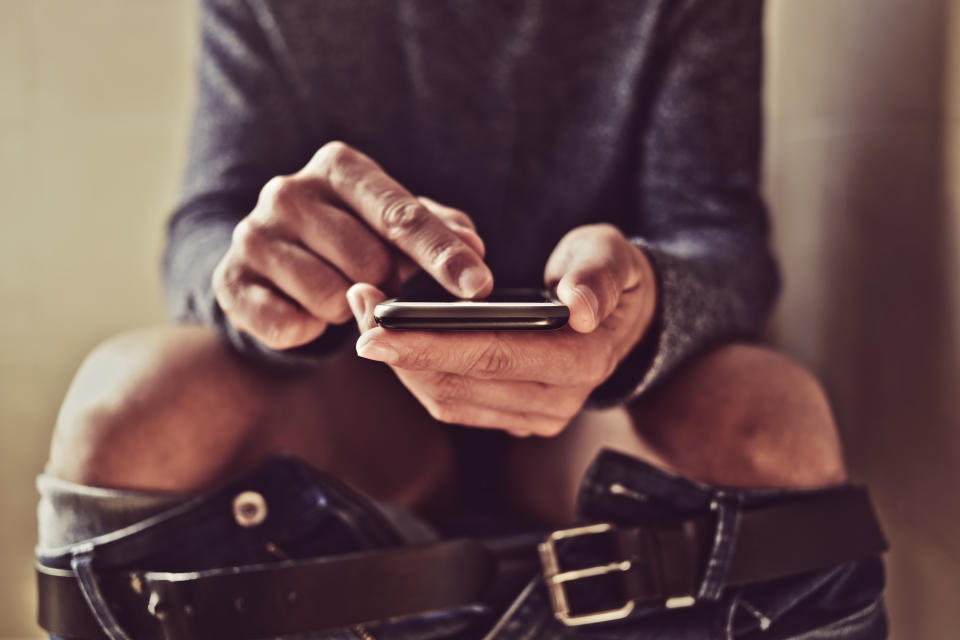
column 505, row 309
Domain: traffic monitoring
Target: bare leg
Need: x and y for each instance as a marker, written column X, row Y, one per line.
column 172, row 409
column 738, row 416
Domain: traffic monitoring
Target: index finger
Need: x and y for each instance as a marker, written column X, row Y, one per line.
column 404, row 221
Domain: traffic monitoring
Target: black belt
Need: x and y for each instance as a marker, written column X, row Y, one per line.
column 657, row 564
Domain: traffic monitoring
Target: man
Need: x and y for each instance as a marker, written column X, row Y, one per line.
column 609, row 150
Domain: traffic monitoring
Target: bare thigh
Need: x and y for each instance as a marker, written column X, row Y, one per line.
column 737, row 416
column 172, row 408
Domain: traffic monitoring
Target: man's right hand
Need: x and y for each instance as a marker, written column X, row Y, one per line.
column 339, row 220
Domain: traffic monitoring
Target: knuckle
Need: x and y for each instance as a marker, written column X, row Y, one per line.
column 462, row 219
column 418, row 359
column 402, row 217
column 335, row 160
column 226, row 281
column 442, row 411
column 492, row 361
column 451, row 388
column 278, row 334
column 275, row 339
column 247, row 237
column 448, row 256
column 280, row 193
column 331, row 152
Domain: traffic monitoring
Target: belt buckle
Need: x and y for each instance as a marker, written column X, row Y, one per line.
column 556, row 579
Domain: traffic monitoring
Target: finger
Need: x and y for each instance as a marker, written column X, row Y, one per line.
column 401, row 219
column 449, row 214
column 590, row 268
column 556, row 401
column 525, row 423
column 363, row 298
column 479, row 416
column 305, row 278
column 458, row 221
column 276, row 321
column 343, row 241
column 559, row 357
column 407, row 268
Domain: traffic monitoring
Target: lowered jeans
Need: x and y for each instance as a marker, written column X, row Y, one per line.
column 300, row 513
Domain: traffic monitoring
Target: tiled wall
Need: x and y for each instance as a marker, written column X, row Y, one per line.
column 863, row 167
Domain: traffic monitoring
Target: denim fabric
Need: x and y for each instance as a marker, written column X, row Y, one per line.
column 843, row 602
column 309, row 514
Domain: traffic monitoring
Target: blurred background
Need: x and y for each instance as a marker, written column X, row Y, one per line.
column 862, row 174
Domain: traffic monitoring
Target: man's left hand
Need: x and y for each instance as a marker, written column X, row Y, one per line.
column 526, row 382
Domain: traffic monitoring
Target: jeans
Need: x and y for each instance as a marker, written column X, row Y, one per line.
column 309, row 514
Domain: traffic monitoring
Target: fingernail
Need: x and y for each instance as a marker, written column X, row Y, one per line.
column 591, row 299
column 473, row 280
column 372, row 350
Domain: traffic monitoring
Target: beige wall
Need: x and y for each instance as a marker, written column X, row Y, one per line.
column 94, row 103
column 863, row 167
column 862, row 173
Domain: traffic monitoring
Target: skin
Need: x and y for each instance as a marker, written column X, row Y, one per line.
column 339, row 220
column 341, row 227
column 528, row 383
column 173, row 409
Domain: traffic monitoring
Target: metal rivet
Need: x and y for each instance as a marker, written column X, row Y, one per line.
column 618, row 489
column 756, row 613
column 276, row 551
column 239, row 604
column 292, row 597
column 156, row 607
column 188, row 609
column 249, row 509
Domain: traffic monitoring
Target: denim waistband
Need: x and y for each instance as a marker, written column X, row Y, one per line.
column 303, row 513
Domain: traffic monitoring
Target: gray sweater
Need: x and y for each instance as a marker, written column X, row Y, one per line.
column 533, row 116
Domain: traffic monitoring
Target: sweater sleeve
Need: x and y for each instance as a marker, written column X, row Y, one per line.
column 248, row 127
column 701, row 220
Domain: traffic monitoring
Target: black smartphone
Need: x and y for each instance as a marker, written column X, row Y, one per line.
column 505, row 309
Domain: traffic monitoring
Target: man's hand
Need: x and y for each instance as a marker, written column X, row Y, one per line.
column 338, row 221
column 526, row 382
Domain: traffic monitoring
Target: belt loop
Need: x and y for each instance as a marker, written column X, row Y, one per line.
column 727, row 510
column 82, row 565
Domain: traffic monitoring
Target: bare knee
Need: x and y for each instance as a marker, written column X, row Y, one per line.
column 164, row 409
column 746, row 416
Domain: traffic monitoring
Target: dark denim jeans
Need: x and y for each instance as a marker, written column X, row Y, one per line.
column 308, row 514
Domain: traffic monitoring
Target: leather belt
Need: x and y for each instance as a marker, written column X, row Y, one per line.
column 659, row 564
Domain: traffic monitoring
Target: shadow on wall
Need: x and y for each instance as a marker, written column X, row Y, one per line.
column 859, row 184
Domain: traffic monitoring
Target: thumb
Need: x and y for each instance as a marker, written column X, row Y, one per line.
column 362, row 298
column 591, row 267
